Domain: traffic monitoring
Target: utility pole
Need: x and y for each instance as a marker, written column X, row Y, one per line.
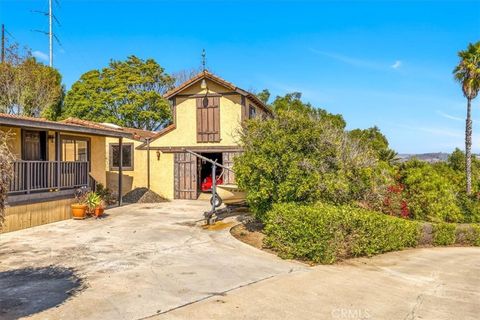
column 50, row 31
column 3, row 43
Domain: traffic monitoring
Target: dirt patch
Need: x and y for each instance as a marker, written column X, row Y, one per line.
column 250, row 233
column 143, row 195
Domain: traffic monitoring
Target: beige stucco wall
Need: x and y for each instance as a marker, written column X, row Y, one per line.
column 161, row 171
column 98, row 158
column 185, row 133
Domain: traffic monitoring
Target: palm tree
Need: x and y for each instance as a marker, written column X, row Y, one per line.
column 468, row 74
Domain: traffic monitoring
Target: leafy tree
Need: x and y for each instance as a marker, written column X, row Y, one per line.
column 28, row 87
column 374, row 138
column 127, row 93
column 293, row 102
column 467, row 73
column 456, row 160
column 300, row 158
column 264, row 96
column 430, row 196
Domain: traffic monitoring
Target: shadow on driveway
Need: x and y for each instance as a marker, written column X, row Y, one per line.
column 26, row 291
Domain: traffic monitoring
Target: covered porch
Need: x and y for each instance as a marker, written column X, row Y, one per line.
column 52, row 160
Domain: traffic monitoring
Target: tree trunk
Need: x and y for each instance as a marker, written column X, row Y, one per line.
column 468, row 147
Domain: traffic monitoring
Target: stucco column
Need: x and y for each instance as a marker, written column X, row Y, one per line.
column 120, row 170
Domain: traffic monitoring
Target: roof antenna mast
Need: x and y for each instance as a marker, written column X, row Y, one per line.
column 204, row 60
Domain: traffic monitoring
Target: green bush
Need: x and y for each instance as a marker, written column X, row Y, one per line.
column 444, row 234
column 468, row 234
column 470, row 207
column 473, row 237
column 430, row 195
column 323, row 233
column 297, row 157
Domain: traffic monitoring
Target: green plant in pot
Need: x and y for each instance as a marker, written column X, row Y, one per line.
column 92, row 201
column 79, row 207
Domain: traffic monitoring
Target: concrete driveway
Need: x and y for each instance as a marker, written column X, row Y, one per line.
column 433, row 284
column 139, row 261
column 150, row 261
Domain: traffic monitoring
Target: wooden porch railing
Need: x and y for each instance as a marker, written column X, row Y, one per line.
column 33, row 176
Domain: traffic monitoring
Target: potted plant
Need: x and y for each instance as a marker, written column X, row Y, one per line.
column 92, row 201
column 79, row 207
column 100, row 208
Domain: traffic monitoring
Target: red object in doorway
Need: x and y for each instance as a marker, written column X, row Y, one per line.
column 207, row 183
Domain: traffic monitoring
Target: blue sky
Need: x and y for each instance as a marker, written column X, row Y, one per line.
column 384, row 63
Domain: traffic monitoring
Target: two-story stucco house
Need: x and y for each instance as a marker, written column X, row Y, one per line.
column 207, row 115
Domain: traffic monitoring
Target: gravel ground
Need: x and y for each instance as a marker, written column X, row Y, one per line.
column 143, row 195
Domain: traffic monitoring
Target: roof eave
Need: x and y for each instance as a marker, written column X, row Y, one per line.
column 24, row 123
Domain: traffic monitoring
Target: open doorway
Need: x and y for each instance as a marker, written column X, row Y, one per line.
column 205, row 171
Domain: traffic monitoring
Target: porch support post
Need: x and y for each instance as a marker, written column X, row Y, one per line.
column 148, row 163
column 120, row 170
column 58, row 158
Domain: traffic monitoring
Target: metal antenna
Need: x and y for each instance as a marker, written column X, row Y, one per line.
column 3, row 43
column 50, row 33
column 204, row 60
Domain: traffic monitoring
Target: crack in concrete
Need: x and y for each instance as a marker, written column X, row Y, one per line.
column 419, row 301
column 213, row 294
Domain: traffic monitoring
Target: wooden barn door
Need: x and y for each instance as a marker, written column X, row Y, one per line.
column 208, row 119
column 228, row 176
column 185, row 173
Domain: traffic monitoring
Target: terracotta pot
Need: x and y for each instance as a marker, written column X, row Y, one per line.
column 79, row 211
column 99, row 212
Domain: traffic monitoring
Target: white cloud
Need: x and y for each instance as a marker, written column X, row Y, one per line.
column 448, row 116
column 349, row 60
column 435, row 131
column 441, row 132
column 356, row 62
column 40, row 55
column 397, row 64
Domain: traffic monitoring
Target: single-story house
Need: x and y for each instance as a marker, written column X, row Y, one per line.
column 52, row 160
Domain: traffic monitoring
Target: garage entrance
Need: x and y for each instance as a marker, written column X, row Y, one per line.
column 193, row 175
column 205, row 171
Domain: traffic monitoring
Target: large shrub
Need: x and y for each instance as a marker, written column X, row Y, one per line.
column 6, row 158
column 300, row 157
column 324, row 233
column 431, row 196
